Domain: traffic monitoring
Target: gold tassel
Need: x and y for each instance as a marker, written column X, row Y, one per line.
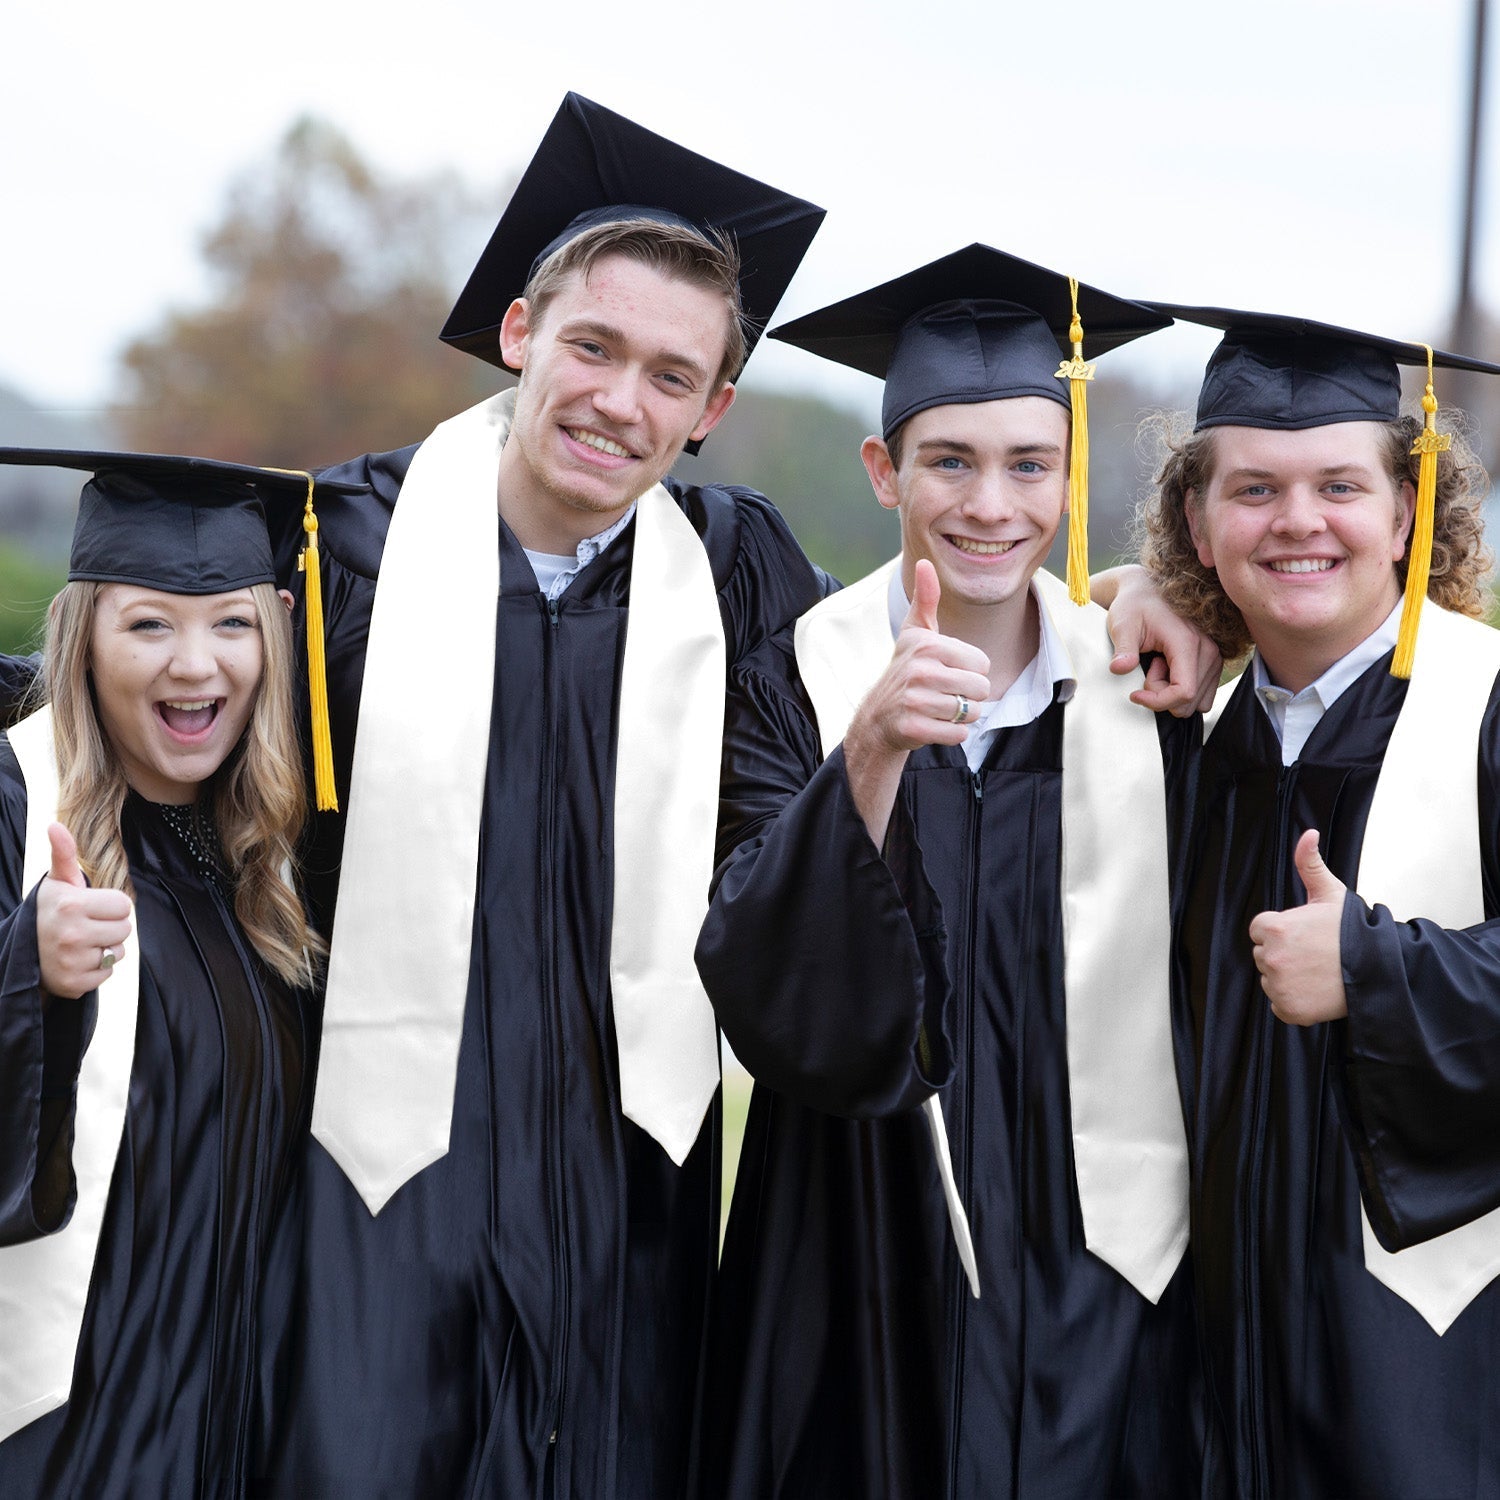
column 325, row 793
column 1075, row 371
column 324, row 790
column 1430, row 442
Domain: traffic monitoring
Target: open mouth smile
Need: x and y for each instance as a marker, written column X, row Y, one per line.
column 188, row 720
column 1303, row 565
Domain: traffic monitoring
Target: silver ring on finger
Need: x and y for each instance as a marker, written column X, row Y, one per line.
column 961, row 709
column 108, row 958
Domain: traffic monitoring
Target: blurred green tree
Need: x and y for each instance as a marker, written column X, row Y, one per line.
column 804, row 454
column 26, row 587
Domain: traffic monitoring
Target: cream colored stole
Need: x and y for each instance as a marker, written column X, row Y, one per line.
column 1429, row 781
column 1129, row 1145
column 44, row 1283
column 399, row 967
column 1421, row 858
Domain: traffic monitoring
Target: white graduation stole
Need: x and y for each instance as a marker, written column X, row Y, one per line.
column 1129, row 1142
column 399, row 967
column 1429, row 780
column 44, row 1283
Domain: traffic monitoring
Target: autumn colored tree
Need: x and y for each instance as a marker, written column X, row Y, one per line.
column 332, row 281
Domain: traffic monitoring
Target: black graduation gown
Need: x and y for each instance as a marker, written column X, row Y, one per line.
column 527, row 1315
column 1323, row 1382
column 850, row 1358
column 173, row 1342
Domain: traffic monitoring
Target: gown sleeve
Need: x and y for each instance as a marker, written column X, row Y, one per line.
column 41, row 1050
column 823, row 955
column 770, row 581
column 1421, row 1071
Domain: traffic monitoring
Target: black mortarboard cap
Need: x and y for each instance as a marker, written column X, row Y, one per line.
column 182, row 525
column 981, row 325
column 594, row 166
column 977, row 325
column 1291, row 373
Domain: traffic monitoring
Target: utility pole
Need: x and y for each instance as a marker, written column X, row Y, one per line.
column 1466, row 334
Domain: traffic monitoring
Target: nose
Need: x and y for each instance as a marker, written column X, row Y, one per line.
column 989, row 499
column 1299, row 514
column 193, row 656
column 617, row 397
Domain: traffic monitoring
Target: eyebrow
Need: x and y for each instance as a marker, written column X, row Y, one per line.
column 968, row 450
column 1357, row 470
column 607, row 333
column 158, row 601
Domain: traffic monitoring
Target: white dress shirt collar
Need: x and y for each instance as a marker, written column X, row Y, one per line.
column 556, row 570
column 1294, row 716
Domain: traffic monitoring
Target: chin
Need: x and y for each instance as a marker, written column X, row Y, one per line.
column 591, row 498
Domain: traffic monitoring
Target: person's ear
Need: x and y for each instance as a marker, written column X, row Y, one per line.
column 877, row 461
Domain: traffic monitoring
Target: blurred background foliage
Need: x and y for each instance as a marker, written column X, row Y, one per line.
column 329, row 280
column 332, row 281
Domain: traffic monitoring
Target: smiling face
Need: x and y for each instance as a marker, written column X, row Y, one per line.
column 981, row 490
column 1304, row 530
column 617, row 375
column 175, row 678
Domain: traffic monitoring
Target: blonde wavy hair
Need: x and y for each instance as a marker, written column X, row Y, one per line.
column 1184, row 462
column 258, row 796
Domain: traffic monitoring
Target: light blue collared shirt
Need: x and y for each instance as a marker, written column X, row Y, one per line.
column 555, row 571
column 1026, row 699
column 1294, row 716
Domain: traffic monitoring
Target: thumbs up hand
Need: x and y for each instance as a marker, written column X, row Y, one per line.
column 927, row 594
column 917, row 700
column 1297, row 951
column 80, row 932
column 927, row 696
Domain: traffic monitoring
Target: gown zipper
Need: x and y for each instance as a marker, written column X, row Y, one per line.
column 1286, row 781
column 961, row 1117
column 560, row 1237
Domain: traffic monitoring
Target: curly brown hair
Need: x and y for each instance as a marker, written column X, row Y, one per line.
column 1184, row 462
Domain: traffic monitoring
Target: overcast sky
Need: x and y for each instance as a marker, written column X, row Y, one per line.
column 1291, row 155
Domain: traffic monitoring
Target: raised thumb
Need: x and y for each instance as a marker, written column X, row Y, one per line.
column 925, row 594
column 64, row 856
column 1322, row 884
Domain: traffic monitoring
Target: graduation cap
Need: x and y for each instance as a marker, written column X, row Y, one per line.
column 1287, row 373
column 596, row 167
column 1290, row 373
column 195, row 526
column 981, row 325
